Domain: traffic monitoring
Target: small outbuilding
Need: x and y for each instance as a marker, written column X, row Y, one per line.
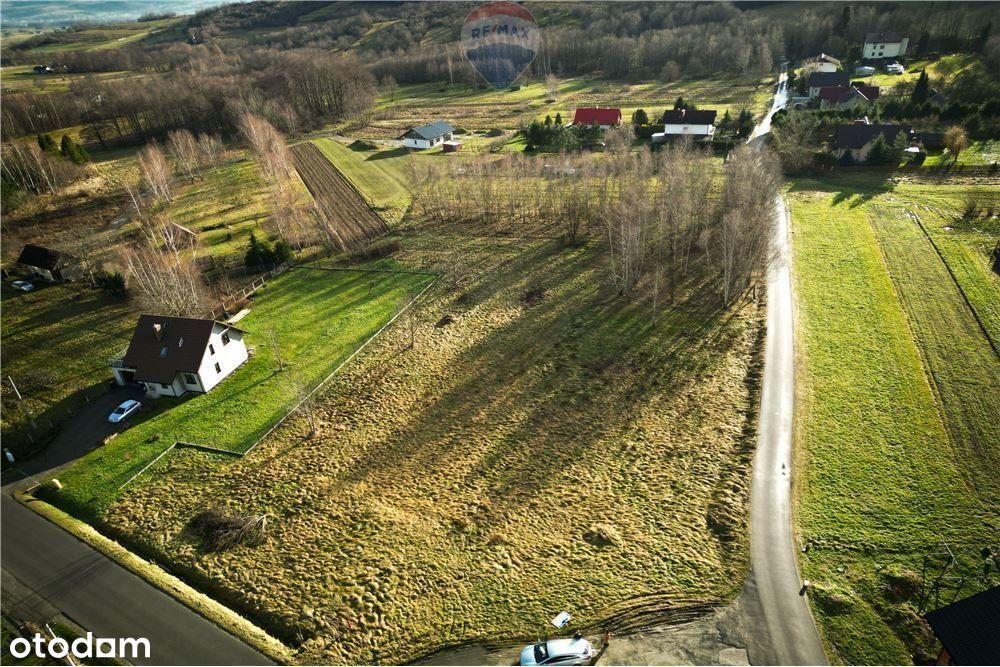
column 451, row 146
column 429, row 135
column 46, row 264
column 172, row 356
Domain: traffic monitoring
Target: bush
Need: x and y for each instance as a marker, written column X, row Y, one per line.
column 220, row 531
column 362, row 145
column 112, row 282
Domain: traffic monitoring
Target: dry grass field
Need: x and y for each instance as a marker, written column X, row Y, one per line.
column 527, row 455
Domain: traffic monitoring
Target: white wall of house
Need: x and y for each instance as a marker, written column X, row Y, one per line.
column 416, row 142
column 886, row 49
column 228, row 356
column 156, row 389
column 696, row 130
column 44, row 274
column 824, row 67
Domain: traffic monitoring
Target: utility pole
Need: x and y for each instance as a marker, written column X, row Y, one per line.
column 20, row 402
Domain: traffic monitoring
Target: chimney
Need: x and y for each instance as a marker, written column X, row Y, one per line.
column 158, row 330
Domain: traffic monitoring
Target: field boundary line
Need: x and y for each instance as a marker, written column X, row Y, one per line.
column 915, row 217
column 240, row 454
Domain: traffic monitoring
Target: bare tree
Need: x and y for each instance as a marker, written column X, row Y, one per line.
column 209, row 150
column 955, row 140
column 272, row 152
column 183, row 148
column 272, row 340
column 551, row 86
column 155, row 173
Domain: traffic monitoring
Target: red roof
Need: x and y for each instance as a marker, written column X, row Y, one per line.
column 597, row 117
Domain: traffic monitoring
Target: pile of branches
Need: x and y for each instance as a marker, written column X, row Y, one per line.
column 221, row 531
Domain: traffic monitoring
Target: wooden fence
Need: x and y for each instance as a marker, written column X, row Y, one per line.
column 243, row 294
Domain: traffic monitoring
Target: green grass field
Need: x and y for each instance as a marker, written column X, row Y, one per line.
column 320, row 317
column 57, row 341
column 896, row 413
column 382, row 175
column 509, row 109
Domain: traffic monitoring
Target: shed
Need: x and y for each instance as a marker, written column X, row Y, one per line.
column 451, row 146
column 50, row 265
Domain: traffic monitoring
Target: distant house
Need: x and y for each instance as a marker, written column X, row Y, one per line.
column 50, row 265
column 885, row 45
column 699, row 124
column 818, row 80
column 429, row 135
column 850, row 97
column 606, row 117
column 967, row 629
column 172, row 356
column 859, row 138
column 42, row 69
column 823, row 63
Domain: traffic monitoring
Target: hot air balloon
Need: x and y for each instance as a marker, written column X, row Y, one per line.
column 500, row 39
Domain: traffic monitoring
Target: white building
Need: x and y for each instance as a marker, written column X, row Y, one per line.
column 823, row 63
column 429, row 135
column 172, row 356
column 885, row 45
column 685, row 122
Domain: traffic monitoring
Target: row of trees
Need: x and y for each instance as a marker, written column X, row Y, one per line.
column 668, row 221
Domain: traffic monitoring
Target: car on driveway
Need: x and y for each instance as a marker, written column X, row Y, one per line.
column 575, row 651
column 23, row 285
column 124, row 411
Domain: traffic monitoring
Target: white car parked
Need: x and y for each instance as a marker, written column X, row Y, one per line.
column 124, row 411
column 575, row 651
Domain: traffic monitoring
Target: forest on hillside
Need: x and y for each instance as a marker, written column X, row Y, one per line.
column 302, row 65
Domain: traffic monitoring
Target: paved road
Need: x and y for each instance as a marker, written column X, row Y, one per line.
column 92, row 590
column 776, row 616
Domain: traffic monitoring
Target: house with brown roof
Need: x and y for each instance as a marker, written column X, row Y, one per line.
column 846, row 97
column 172, row 356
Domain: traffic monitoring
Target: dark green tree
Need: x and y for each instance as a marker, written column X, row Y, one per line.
column 922, row 90
column 558, row 118
column 548, row 120
column 923, row 43
column 47, row 143
column 640, row 117
column 680, row 104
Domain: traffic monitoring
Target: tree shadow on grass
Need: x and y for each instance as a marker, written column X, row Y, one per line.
column 382, row 155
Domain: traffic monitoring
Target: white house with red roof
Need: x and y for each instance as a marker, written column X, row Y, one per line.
column 606, row 117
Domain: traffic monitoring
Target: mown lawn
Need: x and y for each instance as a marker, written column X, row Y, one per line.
column 57, row 341
column 319, row 317
column 896, row 415
column 383, row 175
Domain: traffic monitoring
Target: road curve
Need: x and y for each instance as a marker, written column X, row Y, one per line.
column 777, row 615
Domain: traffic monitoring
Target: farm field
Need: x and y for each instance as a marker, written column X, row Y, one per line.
column 319, row 318
column 110, row 36
column 383, row 176
column 351, row 218
column 896, row 417
column 57, row 341
column 523, row 456
column 21, row 79
column 510, row 109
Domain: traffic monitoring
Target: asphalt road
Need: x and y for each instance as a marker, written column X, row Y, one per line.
column 92, row 590
column 776, row 616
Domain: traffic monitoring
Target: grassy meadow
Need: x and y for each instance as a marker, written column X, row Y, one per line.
column 898, row 394
column 57, row 341
column 318, row 317
column 478, row 109
column 525, row 455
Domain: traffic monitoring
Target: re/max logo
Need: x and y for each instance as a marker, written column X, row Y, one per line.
column 82, row 647
column 500, row 29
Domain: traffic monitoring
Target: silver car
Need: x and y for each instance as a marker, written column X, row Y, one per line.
column 124, row 411
column 575, row 651
column 23, row 285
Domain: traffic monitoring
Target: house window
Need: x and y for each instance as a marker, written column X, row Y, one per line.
column 211, row 349
column 225, row 338
column 190, row 379
column 218, row 369
column 163, row 352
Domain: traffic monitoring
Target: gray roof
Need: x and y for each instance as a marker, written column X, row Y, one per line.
column 967, row 628
column 884, row 37
column 857, row 135
column 823, row 79
column 432, row 130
